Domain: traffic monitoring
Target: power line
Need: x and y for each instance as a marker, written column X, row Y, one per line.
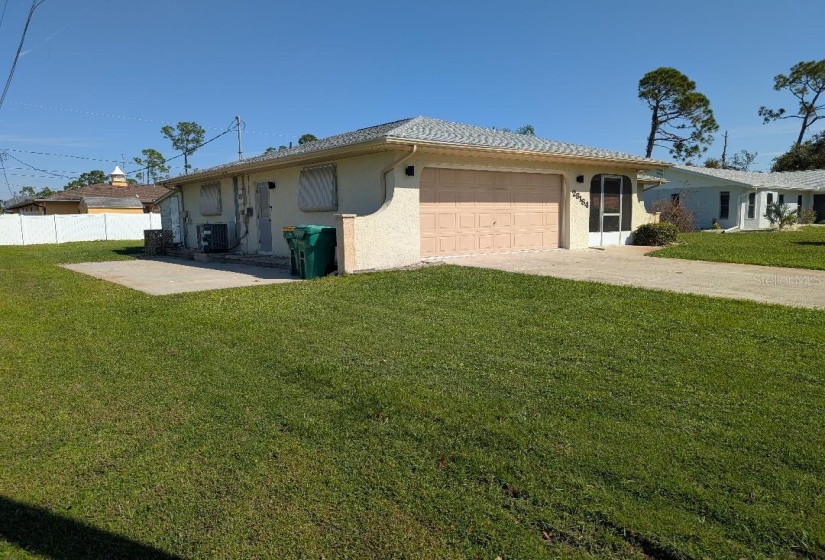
column 60, row 155
column 3, row 167
column 131, row 118
column 3, row 15
column 36, row 168
column 35, row 4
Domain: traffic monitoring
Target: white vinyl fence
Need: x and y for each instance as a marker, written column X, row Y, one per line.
column 16, row 229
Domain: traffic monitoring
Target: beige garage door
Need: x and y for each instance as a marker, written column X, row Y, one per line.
column 466, row 211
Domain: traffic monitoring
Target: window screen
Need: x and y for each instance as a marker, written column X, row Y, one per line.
column 211, row 200
column 317, row 190
column 751, row 205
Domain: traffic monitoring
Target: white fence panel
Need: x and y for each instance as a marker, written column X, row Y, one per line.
column 38, row 230
column 126, row 226
column 10, row 232
column 16, row 229
column 80, row 227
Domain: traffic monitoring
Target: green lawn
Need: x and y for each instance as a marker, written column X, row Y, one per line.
column 438, row 413
column 803, row 248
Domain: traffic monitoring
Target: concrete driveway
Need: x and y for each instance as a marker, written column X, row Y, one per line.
column 163, row 276
column 628, row 266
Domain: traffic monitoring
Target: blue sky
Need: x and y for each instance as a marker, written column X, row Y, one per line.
column 100, row 77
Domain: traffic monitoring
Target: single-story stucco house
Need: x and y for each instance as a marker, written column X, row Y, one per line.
column 417, row 188
column 738, row 199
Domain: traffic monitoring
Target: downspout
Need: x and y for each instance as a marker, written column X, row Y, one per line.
column 392, row 166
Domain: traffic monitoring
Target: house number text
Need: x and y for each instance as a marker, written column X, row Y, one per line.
column 580, row 198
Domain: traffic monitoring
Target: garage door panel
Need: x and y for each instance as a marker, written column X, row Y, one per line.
column 427, row 221
column 484, row 198
column 427, row 196
column 445, row 198
column 466, row 243
column 465, row 211
column 486, row 220
column 503, row 241
column 446, row 221
column 446, row 244
column 504, row 220
column 467, row 221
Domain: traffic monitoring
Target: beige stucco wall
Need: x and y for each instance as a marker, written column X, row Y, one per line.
column 191, row 209
column 359, row 192
column 386, row 234
column 391, row 236
column 61, row 207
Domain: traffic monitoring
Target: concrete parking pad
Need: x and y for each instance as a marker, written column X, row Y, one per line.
column 163, row 276
column 628, row 266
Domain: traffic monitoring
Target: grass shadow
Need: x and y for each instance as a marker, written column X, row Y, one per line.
column 42, row 532
column 814, row 243
column 130, row 251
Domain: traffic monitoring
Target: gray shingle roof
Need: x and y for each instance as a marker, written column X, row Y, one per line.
column 794, row 180
column 111, row 202
column 430, row 130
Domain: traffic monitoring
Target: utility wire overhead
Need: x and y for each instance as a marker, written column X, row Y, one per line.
column 35, row 4
column 130, row 118
column 3, row 15
column 5, row 176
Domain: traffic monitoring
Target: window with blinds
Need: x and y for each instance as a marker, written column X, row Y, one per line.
column 317, row 189
column 211, row 200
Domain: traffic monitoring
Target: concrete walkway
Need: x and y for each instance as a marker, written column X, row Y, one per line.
column 163, row 275
column 627, row 266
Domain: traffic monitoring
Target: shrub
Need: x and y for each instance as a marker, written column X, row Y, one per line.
column 780, row 214
column 656, row 235
column 676, row 213
column 807, row 216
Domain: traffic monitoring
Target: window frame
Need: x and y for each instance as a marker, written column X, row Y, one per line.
column 751, row 206
column 214, row 210
column 724, row 205
column 310, row 196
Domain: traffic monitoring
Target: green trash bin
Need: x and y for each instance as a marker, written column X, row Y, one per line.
column 315, row 250
column 289, row 235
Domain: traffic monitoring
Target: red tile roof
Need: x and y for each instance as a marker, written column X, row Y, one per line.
column 144, row 193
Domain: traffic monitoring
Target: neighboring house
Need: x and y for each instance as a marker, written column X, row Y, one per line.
column 414, row 188
column 132, row 199
column 738, row 198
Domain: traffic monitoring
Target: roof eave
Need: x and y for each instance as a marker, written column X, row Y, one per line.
column 305, row 158
column 530, row 154
column 745, row 184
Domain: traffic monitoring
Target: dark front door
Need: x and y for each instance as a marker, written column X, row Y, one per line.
column 819, row 207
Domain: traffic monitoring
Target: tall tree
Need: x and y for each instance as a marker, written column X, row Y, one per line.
column 526, row 130
column 186, row 138
column 806, row 82
column 808, row 155
column 740, row 161
column 27, row 192
column 93, row 177
column 681, row 118
column 153, row 163
column 306, row 139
